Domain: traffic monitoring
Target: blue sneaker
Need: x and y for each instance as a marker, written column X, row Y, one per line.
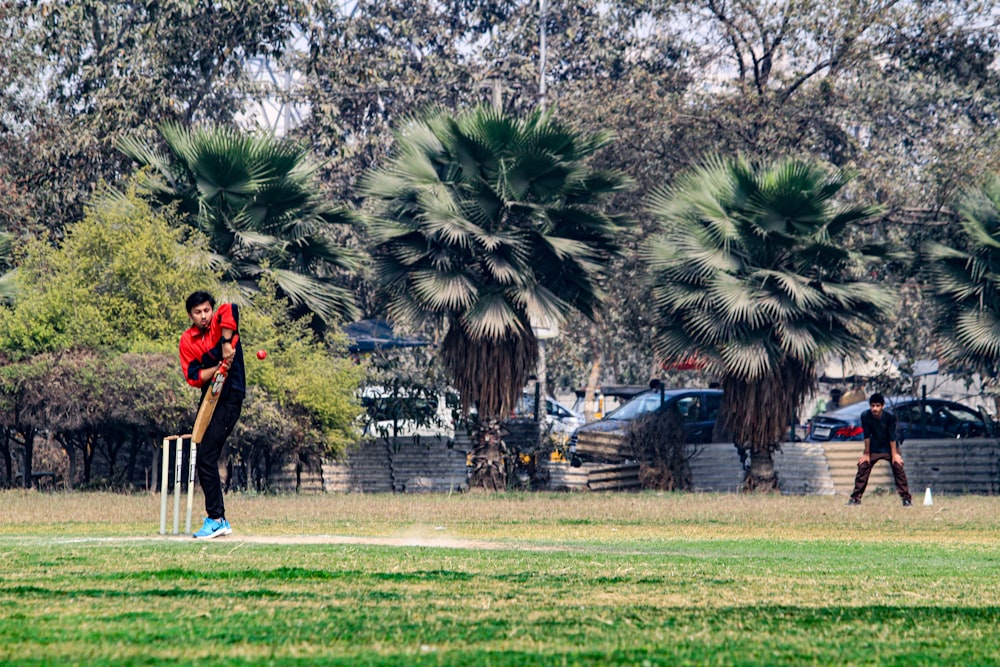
column 213, row 528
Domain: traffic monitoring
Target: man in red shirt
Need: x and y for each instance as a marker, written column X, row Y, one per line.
column 212, row 338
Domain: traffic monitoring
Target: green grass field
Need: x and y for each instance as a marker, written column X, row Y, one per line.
column 518, row 579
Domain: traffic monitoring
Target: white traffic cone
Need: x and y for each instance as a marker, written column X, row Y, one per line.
column 927, row 497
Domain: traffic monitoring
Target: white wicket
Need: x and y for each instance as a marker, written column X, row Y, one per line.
column 178, row 470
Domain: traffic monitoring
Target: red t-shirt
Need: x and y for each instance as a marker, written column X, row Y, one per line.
column 203, row 349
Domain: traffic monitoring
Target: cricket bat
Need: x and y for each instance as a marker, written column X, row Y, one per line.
column 208, row 403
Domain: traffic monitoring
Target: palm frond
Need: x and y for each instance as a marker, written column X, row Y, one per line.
column 853, row 296
column 537, row 176
column 851, row 215
column 492, row 317
column 541, row 303
column 591, row 185
column 747, row 360
column 443, row 291
column 978, row 333
column 800, row 291
column 316, row 248
column 326, row 300
column 799, row 340
column 736, row 300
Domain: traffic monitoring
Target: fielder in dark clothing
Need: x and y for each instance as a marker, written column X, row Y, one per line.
column 880, row 445
column 213, row 337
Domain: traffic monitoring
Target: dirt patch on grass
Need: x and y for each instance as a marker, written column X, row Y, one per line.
column 433, row 542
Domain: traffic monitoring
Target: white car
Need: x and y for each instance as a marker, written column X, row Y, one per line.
column 559, row 419
column 406, row 413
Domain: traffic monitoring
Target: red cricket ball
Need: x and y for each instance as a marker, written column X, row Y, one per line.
column 262, row 354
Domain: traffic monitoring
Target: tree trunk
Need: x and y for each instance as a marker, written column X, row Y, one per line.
column 70, row 450
column 113, row 445
column 135, row 443
column 761, row 475
column 757, row 412
column 541, row 369
column 8, row 460
column 29, row 455
column 590, row 406
column 488, row 469
column 88, row 457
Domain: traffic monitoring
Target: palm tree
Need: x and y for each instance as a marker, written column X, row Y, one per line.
column 750, row 274
column 484, row 223
column 966, row 281
column 257, row 200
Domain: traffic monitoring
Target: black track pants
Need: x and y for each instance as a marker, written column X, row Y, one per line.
column 227, row 412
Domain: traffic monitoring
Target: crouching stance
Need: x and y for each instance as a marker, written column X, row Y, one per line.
column 880, row 445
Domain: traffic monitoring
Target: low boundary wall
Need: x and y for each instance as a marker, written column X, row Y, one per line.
column 803, row 468
column 439, row 465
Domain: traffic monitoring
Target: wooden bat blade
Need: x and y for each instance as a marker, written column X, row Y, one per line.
column 208, row 403
column 205, row 412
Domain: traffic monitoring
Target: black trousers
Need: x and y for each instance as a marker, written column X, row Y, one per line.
column 865, row 471
column 227, row 413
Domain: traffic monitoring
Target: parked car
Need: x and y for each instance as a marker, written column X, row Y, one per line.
column 393, row 413
column 559, row 419
column 698, row 407
column 931, row 418
column 607, row 398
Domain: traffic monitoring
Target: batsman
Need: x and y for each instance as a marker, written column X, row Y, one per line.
column 211, row 344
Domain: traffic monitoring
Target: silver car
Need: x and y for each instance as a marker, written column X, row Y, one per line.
column 560, row 419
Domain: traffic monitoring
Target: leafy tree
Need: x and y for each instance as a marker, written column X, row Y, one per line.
column 257, row 200
column 113, row 406
column 966, row 280
column 19, row 422
column 92, row 348
column 108, row 405
column 605, row 69
column 77, row 75
column 484, row 221
column 302, row 401
column 368, row 66
column 857, row 84
column 118, row 280
column 751, row 274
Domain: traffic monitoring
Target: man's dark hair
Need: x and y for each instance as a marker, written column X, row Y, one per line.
column 876, row 399
column 197, row 299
